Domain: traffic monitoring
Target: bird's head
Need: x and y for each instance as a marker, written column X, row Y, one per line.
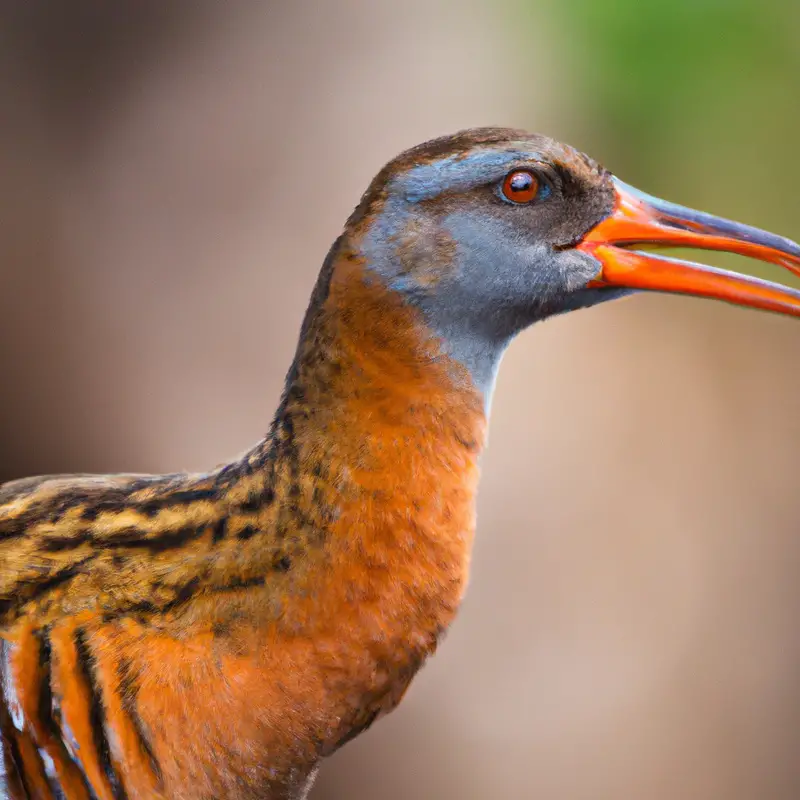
column 490, row 230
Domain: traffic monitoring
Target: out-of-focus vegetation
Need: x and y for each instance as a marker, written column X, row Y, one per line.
column 688, row 99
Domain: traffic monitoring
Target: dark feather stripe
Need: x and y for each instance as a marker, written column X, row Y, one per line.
column 132, row 537
column 180, row 497
column 16, row 526
column 88, row 666
column 219, row 530
column 193, row 587
column 55, row 506
column 258, row 500
column 44, row 704
column 48, row 720
column 129, row 690
column 122, row 501
column 55, row 544
column 164, row 540
column 166, row 491
column 13, row 761
column 12, row 779
column 33, row 590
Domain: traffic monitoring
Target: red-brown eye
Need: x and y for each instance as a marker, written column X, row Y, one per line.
column 520, row 186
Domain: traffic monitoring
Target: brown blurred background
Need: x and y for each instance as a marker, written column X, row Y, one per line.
column 171, row 176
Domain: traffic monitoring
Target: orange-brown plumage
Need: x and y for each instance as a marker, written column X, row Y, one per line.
column 216, row 635
column 253, row 681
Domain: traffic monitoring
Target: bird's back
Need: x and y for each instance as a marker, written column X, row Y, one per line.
column 69, row 543
column 59, row 554
column 126, row 602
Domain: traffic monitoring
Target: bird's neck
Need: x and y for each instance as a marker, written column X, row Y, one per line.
column 375, row 450
column 371, row 382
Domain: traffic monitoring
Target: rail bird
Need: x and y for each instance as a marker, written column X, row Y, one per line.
column 197, row 636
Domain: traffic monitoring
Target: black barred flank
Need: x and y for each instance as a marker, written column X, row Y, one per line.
column 129, row 690
column 12, row 778
column 47, row 713
column 88, row 668
column 45, row 690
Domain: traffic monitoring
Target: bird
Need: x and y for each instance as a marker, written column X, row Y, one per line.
column 219, row 634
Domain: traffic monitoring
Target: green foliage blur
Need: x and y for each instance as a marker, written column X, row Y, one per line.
column 694, row 100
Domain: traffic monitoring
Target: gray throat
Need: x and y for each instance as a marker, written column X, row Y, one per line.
column 493, row 286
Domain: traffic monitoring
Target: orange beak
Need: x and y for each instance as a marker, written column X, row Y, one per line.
column 638, row 218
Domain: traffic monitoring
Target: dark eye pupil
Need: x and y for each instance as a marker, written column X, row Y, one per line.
column 521, row 182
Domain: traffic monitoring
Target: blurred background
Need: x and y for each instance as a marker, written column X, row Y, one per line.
column 171, row 176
